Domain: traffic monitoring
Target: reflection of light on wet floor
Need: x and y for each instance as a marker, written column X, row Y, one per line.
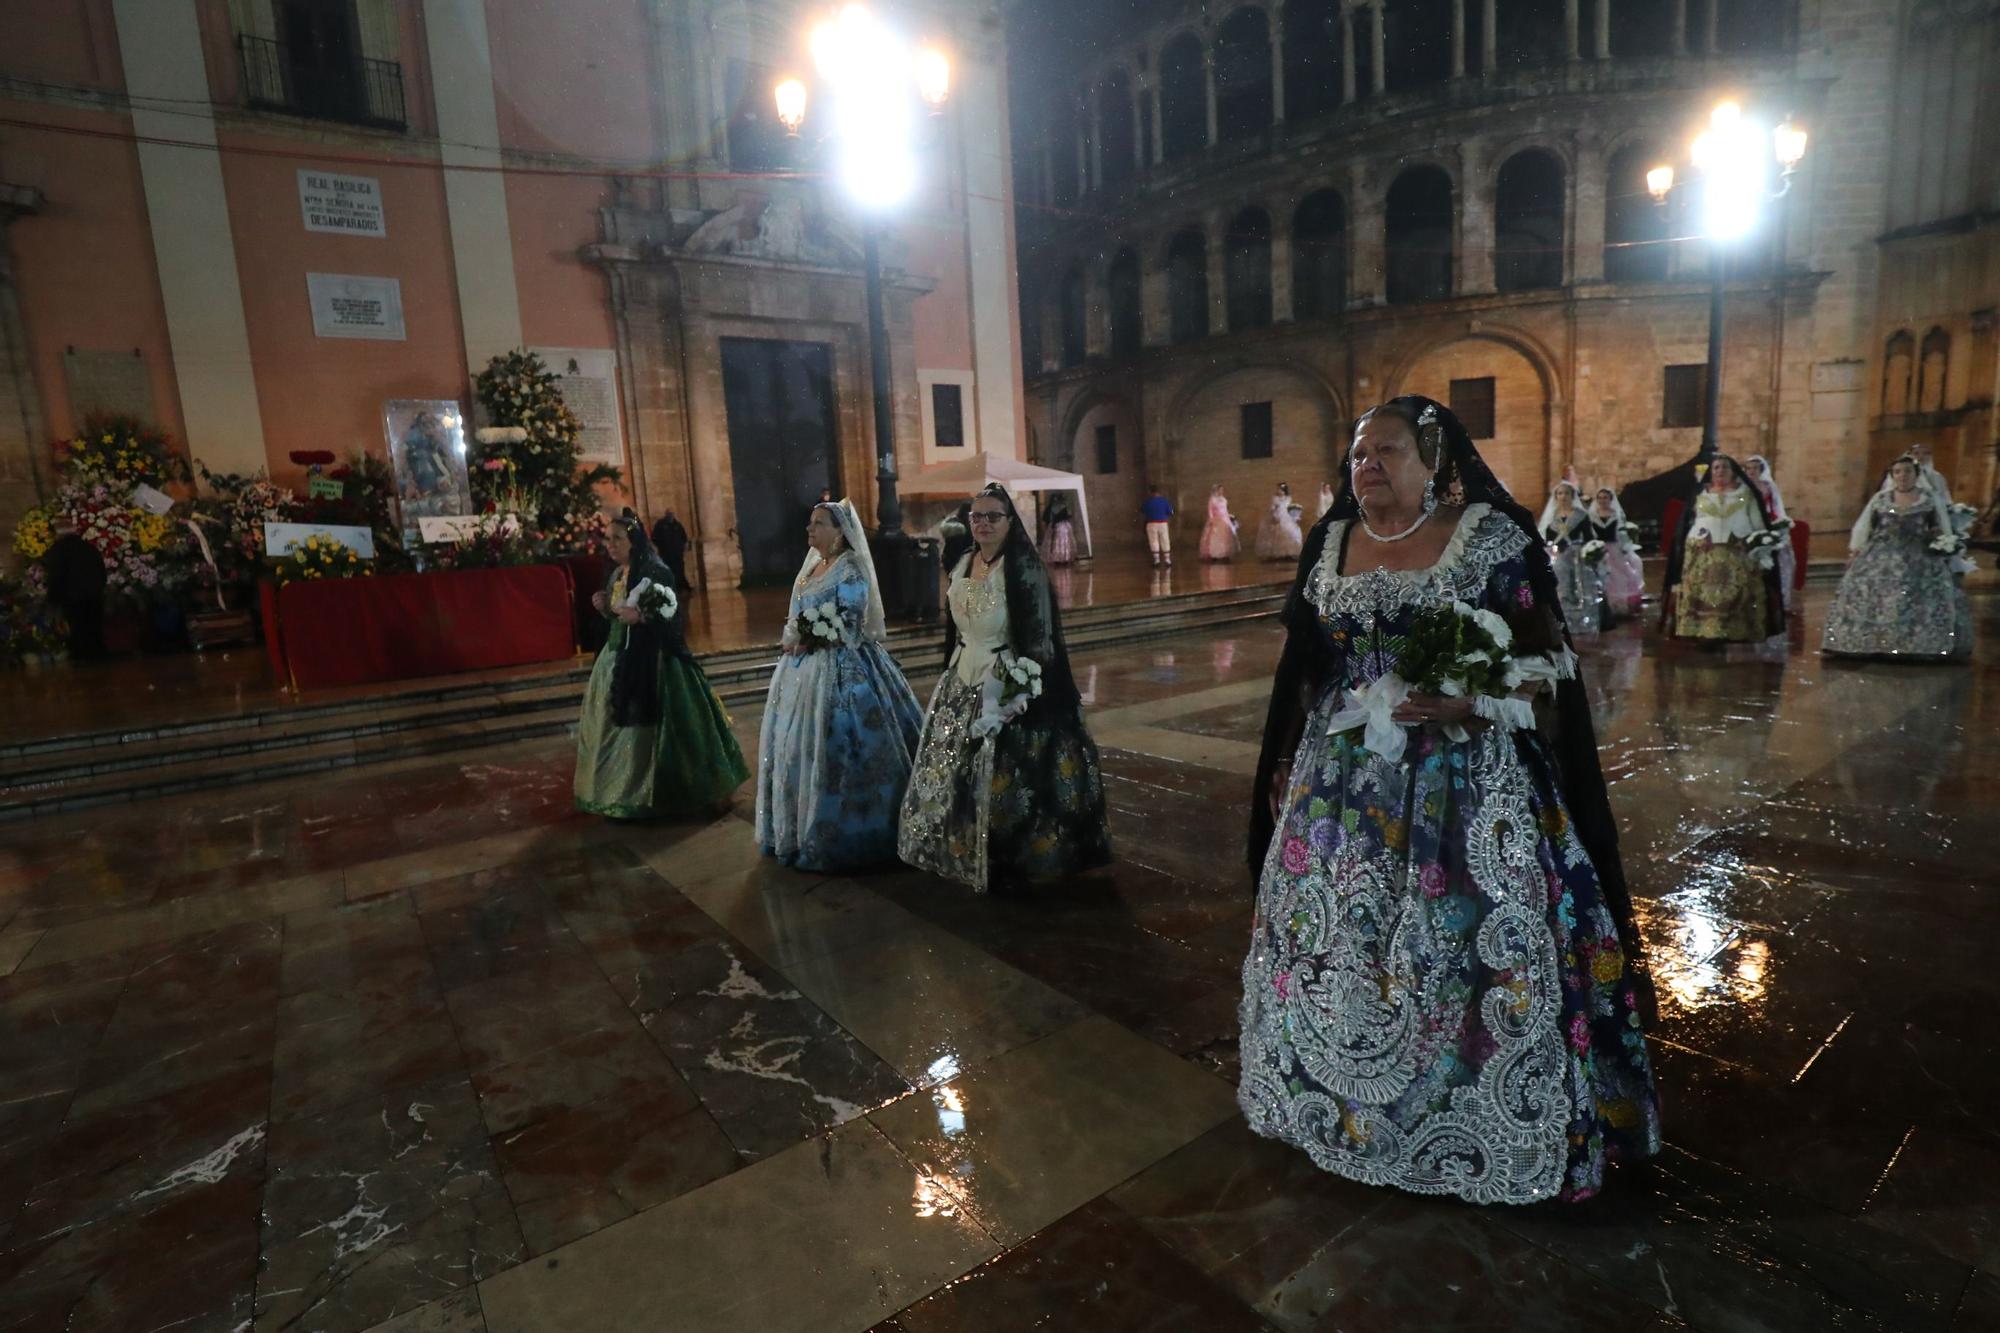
column 951, row 1111
column 933, row 1199
column 1710, row 962
column 943, row 1069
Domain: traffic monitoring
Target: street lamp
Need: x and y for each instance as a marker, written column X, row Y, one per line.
column 874, row 81
column 1732, row 160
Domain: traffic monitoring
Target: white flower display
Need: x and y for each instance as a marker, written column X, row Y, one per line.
column 823, row 622
column 501, row 435
column 1503, row 637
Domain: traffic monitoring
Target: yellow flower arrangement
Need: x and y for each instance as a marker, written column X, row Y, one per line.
column 150, row 531
column 34, row 534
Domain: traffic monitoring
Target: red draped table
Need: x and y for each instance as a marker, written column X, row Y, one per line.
column 324, row 632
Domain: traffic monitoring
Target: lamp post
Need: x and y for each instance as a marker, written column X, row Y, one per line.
column 874, row 81
column 1732, row 159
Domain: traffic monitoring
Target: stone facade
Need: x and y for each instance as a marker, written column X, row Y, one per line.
column 1577, row 351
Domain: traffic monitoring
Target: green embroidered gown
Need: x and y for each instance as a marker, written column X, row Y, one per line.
column 665, row 748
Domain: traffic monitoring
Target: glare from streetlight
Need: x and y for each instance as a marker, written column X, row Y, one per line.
column 933, row 77
column 1734, row 160
column 1660, row 182
column 791, row 97
column 1788, row 142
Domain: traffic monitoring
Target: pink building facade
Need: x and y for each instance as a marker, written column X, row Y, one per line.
column 253, row 222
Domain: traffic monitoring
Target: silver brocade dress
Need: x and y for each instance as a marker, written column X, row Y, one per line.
column 1898, row 597
column 1435, row 996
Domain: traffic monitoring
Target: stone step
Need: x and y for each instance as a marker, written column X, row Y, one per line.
column 37, row 780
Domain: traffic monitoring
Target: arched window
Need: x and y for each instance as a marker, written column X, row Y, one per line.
column 1530, row 32
column 1635, row 228
column 1062, row 150
column 1247, row 262
column 1641, row 28
column 1312, row 58
column 1075, row 338
column 1123, row 281
column 1898, row 360
column 1932, row 370
column 1187, row 286
column 1417, row 250
column 1183, row 98
column 1416, row 43
column 1528, row 222
column 1243, row 76
column 1114, row 129
column 1319, row 256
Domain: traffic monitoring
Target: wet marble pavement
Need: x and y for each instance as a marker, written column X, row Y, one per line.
column 422, row 1049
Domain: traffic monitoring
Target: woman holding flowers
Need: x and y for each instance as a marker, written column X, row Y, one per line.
column 1624, row 577
column 1898, row 597
column 840, row 723
column 1566, row 528
column 1443, row 991
column 1006, row 787
column 1722, row 570
column 1758, row 469
column 653, row 740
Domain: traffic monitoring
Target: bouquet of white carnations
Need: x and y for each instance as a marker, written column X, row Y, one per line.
column 1593, row 552
column 1459, row 651
column 819, row 626
column 654, row 599
column 1948, row 544
column 1013, row 684
column 1763, row 545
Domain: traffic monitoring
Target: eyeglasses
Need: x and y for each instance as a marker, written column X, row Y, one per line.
column 988, row 516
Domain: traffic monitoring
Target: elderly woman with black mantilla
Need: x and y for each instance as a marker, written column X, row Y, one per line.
column 1005, row 790
column 1442, row 991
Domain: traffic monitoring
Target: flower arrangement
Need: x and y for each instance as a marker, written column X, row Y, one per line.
column 29, row 629
column 818, row 626
column 1020, row 679
column 533, row 436
column 225, row 532
column 322, row 557
column 131, row 541
column 654, row 599
column 1763, row 545
column 1948, row 544
column 1593, row 552
column 1456, row 650
column 120, row 452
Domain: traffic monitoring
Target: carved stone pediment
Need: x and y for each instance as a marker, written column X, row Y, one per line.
column 779, row 228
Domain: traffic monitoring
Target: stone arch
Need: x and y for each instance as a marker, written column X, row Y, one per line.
column 1116, row 493
column 1201, row 438
column 1525, row 450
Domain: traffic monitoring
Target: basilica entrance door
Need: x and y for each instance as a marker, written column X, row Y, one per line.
column 782, row 447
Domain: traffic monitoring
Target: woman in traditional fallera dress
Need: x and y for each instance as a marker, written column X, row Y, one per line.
column 652, row 739
column 1279, row 538
column 1758, row 469
column 1218, row 535
column 1003, row 793
column 1899, row 597
column 1624, row 576
column 1059, row 544
column 1566, row 527
column 1442, row 991
column 840, row 722
column 1721, row 587
column 1325, row 500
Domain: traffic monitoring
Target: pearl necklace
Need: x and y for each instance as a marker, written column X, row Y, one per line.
column 1406, row 533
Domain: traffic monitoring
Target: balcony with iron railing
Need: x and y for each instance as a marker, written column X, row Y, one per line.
column 355, row 91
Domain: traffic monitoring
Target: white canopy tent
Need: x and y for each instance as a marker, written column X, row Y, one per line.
column 961, row 477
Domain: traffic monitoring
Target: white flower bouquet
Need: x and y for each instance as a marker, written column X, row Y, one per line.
column 1593, row 552
column 1458, row 651
column 654, row 599
column 818, row 626
column 1948, row 544
column 1013, row 684
column 1763, row 545
column 501, row 435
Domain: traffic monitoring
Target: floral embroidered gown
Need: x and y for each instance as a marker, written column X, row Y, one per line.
column 1898, row 597
column 1218, row 535
column 1723, row 595
column 671, row 752
column 840, row 729
column 1026, row 804
column 1435, row 996
column 1624, row 576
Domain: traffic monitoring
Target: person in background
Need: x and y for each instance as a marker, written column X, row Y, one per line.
column 76, row 579
column 1159, row 514
column 1325, row 499
column 1059, row 542
column 670, row 543
column 1279, row 538
column 1218, row 537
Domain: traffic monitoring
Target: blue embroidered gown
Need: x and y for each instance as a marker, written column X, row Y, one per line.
column 840, row 729
column 1435, row 996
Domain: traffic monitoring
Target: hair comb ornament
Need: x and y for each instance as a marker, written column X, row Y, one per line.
column 1430, row 434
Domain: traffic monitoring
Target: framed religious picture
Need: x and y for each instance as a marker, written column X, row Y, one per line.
column 427, row 449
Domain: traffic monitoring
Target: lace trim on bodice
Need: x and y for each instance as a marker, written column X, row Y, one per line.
column 1484, row 540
